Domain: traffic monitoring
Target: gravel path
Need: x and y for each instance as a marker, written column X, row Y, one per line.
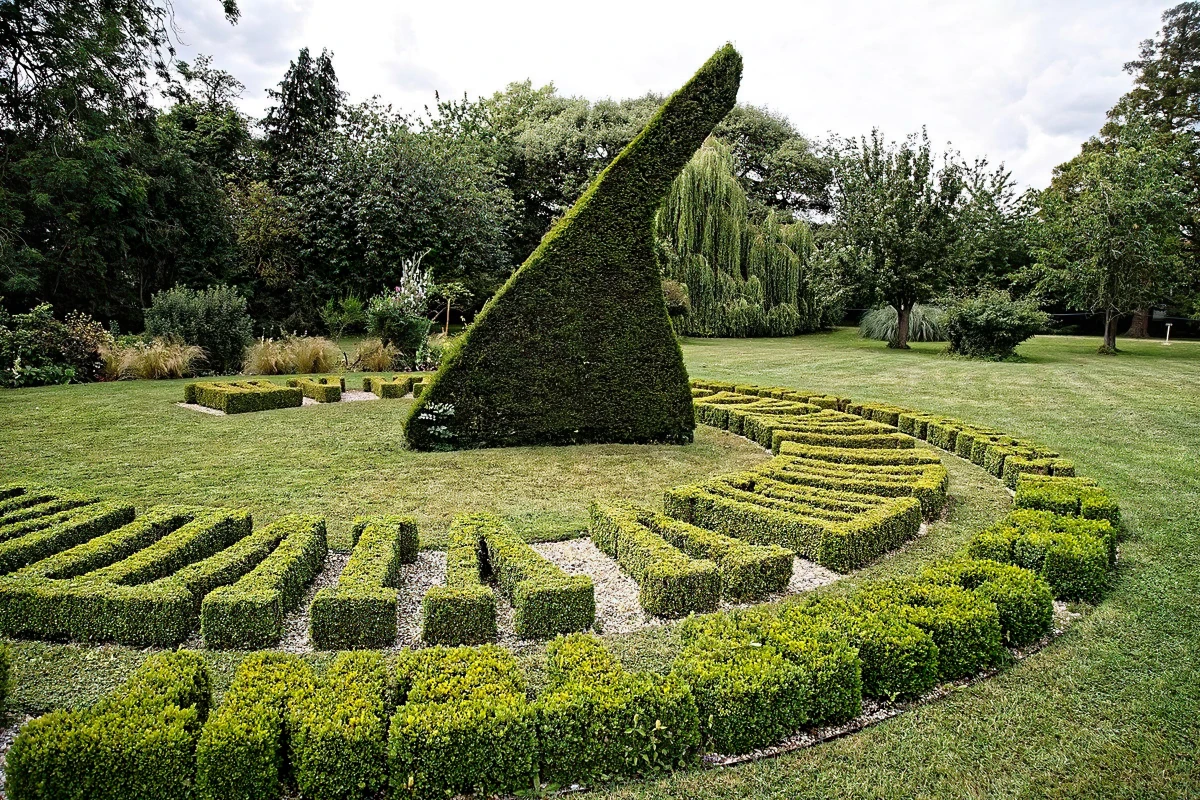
column 7, row 734
column 617, row 607
column 416, row 579
column 296, row 637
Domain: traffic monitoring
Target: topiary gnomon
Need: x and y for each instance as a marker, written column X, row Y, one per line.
column 577, row 346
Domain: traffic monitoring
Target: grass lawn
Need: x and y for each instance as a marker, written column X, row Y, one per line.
column 1110, row 709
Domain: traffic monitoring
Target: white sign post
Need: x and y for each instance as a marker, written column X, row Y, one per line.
column 1168, row 340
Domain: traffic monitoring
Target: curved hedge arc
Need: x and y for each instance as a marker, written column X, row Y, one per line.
column 443, row 720
column 577, row 345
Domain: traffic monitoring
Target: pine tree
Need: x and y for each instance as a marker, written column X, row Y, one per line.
column 307, row 104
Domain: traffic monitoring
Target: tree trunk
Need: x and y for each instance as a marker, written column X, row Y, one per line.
column 1140, row 327
column 902, row 312
column 1110, row 333
column 446, row 330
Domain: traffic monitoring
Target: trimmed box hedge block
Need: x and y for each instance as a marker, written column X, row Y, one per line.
column 388, row 388
column 1016, row 466
column 464, row 610
column 323, row 390
column 360, row 609
column 593, row 721
column 249, row 614
column 1023, row 600
column 1066, row 496
column 337, row 729
column 463, row 725
column 926, row 482
column 242, row 753
column 581, row 327
column 139, row 585
column 1072, row 554
column 239, row 397
column 28, row 542
column 546, row 601
column 138, row 742
column 670, row 583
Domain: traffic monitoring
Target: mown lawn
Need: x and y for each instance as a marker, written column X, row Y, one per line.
column 1111, row 709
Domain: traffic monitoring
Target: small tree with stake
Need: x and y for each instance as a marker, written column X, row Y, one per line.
column 1108, row 233
column 895, row 219
column 451, row 293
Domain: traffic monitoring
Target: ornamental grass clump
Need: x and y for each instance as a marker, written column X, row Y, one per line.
column 925, row 324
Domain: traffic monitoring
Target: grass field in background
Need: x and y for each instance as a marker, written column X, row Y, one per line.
column 1111, row 709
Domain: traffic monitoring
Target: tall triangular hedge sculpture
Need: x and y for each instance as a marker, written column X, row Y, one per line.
column 577, row 346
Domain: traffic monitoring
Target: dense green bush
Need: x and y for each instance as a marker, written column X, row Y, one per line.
column 464, row 725
column 249, row 614
column 464, row 610
column 1072, row 554
column 139, row 741
column 360, row 610
column 238, row 397
column 925, row 324
column 398, row 317
column 1023, row 600
column 323, row 390
column 242, row 751
column 597, row 721
column 5, row 675
column 670, row 583
column 214, row 319
column 990, row 324
column 1069, row 497
column 546, row 601
column 581, row 326
column 37, row 349
column 337, row 729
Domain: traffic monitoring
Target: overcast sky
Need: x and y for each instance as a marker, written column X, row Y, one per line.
column 1020, row 82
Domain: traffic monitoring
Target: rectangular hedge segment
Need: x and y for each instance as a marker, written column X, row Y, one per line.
column 546, row 601
column 81, row 526
column 360, row 610
column 209, row 531
column 463, row 611
column 249, row 614
column 237, row 397
column 671, row 583
column 323, row 390
column 139, row 741
column 52, row 506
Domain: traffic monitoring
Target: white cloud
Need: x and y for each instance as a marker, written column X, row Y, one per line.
column 1021, row 81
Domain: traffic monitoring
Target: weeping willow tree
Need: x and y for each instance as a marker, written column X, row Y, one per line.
column 742, row 279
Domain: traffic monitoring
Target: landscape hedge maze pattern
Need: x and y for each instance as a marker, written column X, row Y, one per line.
column 847, row 484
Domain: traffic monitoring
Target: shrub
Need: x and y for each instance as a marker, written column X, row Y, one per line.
column 464, row 610
column 596, row 720
column 389, row 388
column 23, row 543
column 249, row 614
column 241, row 754
column 139, row 741
column 398, row 317
column 5, row 675
column 314, row 354
column 338, row 730
column 360, row 610
column 926, row 482
column 925, row 324
column 323, row 390
column 670, row 583
column 36, row 349
column 270, row 357
column 345, row 314
column 160, row 358
column 581, row 326
column 239, row 397
column 1068, row 497
column 214, row 319
column 546, row 601
column 1023, row 600
column 990, row 324
column 464, row 725
column 372, row 355
column 1071, row 554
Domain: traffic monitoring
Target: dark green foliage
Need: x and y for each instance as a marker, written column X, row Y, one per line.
column 337, row 729
column 1069, row 497
column 5, row 675
column 582, row 326
column 242, row 751
column 360, row 610
column 323, row 390
column 464, row 610
column 670, row 583
column 238, row 397
column 464, row 725
column 137, row 742
column 214, row 319
column 37, row 349
column 26, row 543
column 546, row 601
column 249, row 614
column 1071, row 554
column 991, row 324
column 597, row 721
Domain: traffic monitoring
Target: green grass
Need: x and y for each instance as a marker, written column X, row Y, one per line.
column 1110, row 709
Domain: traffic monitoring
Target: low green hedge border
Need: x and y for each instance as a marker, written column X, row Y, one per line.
column 239, row 397
column 323, row 390
column 546, row 601
column 1069, row 497
column 388, row 388
column 463, row 611
column 360, row 609
column 670, row 583
column 249, row 614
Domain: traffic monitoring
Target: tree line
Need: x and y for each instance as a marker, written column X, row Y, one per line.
column 127, row 171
